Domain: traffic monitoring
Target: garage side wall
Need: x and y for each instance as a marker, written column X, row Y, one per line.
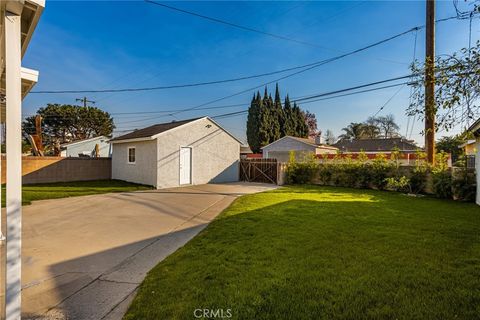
column 215, row 154
column 143, row 171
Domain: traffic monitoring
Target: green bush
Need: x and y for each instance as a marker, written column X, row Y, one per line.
column 355, row 174
column 418, row 181
column 442, row 184
column 401, row 184
column 301, row 172
column 464, row 186
column 383, row 174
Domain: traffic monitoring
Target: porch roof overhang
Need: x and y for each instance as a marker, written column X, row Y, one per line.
column 30, row 12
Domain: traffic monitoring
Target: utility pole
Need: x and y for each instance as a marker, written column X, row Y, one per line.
column 84, row 100
column 430, row 109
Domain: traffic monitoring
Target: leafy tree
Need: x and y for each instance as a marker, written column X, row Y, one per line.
column 311, row 122
column 457, row 88
column 371, row 129
column 387, row 125
column 67, row 123
column 450, row 145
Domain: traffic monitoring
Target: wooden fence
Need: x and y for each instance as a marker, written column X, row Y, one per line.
column 59, row 169
column 259, row 170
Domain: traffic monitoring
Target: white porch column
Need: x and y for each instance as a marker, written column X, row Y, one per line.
column 14, row 165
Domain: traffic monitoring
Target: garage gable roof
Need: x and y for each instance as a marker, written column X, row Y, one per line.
column 152, row 132
column 306, row 141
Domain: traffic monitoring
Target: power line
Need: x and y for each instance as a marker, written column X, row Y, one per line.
column 323, row 95
column 204, row 83
column 388, row 101
column 306, row 69
column 305, row 66
column 231, row 24
column 353, row 88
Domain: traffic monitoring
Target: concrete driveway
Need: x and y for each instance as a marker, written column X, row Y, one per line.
column 84, row 257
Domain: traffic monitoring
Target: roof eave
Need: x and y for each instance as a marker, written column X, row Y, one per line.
column 131, row 140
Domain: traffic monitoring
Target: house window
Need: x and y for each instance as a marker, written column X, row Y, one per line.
column 131, row 155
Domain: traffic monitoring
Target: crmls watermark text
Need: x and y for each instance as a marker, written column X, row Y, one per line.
column 212, row 313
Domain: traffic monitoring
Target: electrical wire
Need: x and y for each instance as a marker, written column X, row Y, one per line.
column 388, row 101
column 231, row 24
column 302, row 68
column 311, row 101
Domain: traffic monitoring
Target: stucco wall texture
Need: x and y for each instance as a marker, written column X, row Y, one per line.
column 215, row 156
column 143, row 171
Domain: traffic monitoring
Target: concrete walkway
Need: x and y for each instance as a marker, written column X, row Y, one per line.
column 84, row 257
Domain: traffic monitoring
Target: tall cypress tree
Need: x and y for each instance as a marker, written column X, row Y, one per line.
column 273, row 119
column 277, row 116
column 253, row 121
column 301, row 128
column 264, row 126
column 288, row 119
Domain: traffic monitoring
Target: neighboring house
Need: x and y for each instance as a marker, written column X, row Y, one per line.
column 87, row 148
column 245, row 151
column 194, row 151
column 475, row 130
column 281, row 148
column 376, row 145
column 469, row 149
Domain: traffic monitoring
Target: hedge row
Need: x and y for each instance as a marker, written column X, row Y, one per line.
column 383, row 174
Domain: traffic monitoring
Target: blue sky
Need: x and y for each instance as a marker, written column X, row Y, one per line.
column 118, row 44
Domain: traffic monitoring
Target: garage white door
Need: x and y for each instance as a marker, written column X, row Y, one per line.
column 185, row 165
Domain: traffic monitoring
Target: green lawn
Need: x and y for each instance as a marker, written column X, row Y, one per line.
column 73, row 189
column 324, row 253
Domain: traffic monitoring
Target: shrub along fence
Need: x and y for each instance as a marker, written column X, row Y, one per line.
column 385, row 174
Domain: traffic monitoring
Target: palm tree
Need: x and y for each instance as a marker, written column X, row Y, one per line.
column 355, row 130
column 371, row 131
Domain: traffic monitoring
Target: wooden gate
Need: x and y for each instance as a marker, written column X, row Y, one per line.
column 258, row 170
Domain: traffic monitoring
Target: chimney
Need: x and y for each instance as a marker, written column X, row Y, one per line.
column 319, row 138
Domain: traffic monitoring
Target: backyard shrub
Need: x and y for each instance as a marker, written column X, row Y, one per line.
column 418, row 176
column 464, row 186
column 401, row 184
column 418, row 181
column 442, row 184
column 384, row 174
column 442, row 177
column 355, row 174
column 301, row 172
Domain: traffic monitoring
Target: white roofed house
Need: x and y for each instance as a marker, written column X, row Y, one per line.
column 281, row 148
column 18, row 20
column 92, row 147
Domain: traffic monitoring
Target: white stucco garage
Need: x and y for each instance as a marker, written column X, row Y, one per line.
column 188, row 152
